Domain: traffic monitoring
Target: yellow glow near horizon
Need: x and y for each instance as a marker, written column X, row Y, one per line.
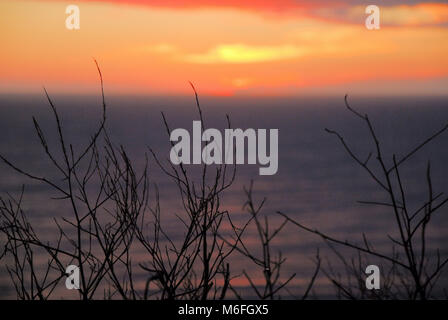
column 156, row 50
column 241, row 53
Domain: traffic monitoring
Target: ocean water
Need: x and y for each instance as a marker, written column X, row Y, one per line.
column 317, row 182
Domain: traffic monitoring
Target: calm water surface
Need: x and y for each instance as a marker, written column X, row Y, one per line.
column 317, row 183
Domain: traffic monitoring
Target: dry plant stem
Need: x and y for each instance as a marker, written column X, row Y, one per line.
column 411, row 226
column 189, row 269
column 269, row 265
column 119, row 193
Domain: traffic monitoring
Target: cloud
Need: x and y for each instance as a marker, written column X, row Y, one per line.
column 276, row 5
column 256, row 5
column 242, row 53
column 394, row 12
column 398, row 15
column 229, row 53
column 423, row 14
column 303, row 44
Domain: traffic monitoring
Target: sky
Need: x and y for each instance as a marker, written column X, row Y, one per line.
column 226, row 48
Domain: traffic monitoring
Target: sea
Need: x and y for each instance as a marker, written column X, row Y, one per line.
column 318, row 183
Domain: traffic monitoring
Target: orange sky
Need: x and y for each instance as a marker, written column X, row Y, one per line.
column 266, row 48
